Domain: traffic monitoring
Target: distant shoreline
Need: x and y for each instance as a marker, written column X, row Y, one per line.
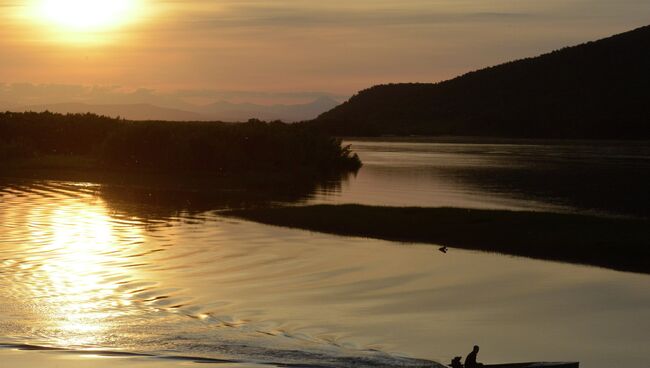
column 491, row 140
column 616, row 243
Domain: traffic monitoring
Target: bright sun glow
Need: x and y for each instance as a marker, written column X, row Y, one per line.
column 87, row 15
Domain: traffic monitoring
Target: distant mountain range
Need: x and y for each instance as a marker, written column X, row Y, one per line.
column 290, row 113
column 218, row 111
column 595, row 90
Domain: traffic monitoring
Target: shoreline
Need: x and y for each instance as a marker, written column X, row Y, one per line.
column 474, row 139
column 611, row 242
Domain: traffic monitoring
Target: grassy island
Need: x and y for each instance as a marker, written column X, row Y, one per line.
column 617, row 243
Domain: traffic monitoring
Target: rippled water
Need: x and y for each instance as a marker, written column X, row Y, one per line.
column 76, row 275
column 83, row 268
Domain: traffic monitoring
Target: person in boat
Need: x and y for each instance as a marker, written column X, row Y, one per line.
column 455, row 363
column 470, row 361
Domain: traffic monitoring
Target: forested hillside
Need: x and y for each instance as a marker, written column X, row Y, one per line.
column 598, row 89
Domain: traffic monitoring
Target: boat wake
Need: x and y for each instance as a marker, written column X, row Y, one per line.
column 286, row 359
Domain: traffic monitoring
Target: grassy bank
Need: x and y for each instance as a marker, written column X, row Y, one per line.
column 617, row 243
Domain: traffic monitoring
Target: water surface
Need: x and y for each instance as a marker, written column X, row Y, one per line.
column 596, row 177
column 85, row 266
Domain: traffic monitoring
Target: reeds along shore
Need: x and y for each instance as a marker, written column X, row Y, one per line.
column 211, row 147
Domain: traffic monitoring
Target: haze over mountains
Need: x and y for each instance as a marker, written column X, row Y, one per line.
column 218, row 111
column 595, row 90
column 228, row 111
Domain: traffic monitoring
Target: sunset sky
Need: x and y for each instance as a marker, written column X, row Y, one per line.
column 280, row 50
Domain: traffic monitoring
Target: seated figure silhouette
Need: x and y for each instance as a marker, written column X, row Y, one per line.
column 455, row 363
column 470, row 361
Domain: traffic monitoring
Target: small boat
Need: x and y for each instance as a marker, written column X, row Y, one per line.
column 535, row 365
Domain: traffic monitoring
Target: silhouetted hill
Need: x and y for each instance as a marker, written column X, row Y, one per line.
column 598, row 89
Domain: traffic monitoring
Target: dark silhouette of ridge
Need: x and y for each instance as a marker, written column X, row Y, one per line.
column 598, row 89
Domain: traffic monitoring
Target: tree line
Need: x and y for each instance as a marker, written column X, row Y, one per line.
column 212, row 147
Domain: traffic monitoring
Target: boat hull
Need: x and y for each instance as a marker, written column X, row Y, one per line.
column 535, row 365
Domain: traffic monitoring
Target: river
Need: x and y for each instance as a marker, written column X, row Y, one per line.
column 84, row 269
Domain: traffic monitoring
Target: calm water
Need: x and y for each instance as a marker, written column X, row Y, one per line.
column 84, row 268
column 601, row 177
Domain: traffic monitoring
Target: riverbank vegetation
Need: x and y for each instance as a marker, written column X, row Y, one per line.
column 88, row 141
column 617, row 243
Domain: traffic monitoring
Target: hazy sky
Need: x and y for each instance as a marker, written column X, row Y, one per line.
column 288, row 46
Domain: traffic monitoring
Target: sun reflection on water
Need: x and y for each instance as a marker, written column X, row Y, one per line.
column 80, row 266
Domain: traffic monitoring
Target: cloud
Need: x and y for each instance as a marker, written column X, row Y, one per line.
column 289, row 15
column 227, row 95
column 237, row 49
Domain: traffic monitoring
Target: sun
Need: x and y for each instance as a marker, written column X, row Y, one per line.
column 87, row 15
